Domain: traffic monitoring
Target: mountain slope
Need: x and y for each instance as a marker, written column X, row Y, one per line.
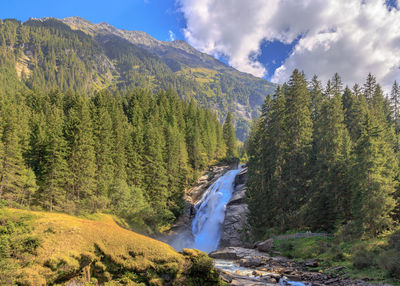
column 73, row 53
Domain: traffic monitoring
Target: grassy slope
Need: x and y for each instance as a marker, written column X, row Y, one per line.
column 359, row 259
column 39, row 248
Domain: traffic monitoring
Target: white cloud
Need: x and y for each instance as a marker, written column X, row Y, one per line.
column 171, row 35
column 351, row 37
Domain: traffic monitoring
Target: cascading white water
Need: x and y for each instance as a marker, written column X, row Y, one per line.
column 210, row 213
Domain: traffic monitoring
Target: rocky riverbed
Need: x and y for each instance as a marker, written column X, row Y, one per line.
column 251, row 267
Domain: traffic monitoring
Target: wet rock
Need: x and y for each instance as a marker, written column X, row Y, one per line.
column 241, row 177
column 257, row 273
column 266, row 246
column 311, row 263
column 271, row 280
column 250, row 262
column 235, row 223
column 331, row 281
column 293, row 277
column 239, row 197
column 238, row 253
column 226, row 253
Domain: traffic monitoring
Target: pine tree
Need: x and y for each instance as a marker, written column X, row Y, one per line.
column 82, row 158
column 369, row 87
column 331, row 148
column 11, row 161
column 104, row 142
column 316, row 97
column 155, row 179
column 52, row 192
column 298, row 139
column 230, row 137
column 395, row 99
column 374, row 184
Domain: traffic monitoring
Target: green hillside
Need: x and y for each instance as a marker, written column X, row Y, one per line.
column 74, row 54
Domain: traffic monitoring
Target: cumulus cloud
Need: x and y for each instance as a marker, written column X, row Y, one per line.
column 171, row 35
column 351, row 37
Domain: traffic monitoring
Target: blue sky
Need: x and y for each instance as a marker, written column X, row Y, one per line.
column 156, row 17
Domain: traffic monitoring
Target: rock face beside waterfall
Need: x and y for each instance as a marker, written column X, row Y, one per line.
column 234, row 231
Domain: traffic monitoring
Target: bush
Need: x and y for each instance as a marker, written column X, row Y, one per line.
column 394, row 241
column 363, row 259
column 201, row 271
column 390, row 261
column 348, row 232
column 287, row 247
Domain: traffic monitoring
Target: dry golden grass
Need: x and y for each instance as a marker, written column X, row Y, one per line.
column 69, row 244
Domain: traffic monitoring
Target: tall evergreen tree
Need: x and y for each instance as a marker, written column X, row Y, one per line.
column 52, row 193
column 373, row 178
column 230, row 137
column 82, row 158
column 298, row 139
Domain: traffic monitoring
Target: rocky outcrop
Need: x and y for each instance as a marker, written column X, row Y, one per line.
column 235, row 228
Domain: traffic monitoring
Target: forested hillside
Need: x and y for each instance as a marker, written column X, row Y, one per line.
column 74, row 54
column 131, row 154
column 326, row 158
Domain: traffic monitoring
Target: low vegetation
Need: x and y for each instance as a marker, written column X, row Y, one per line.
column 375, row 259
column 38, row 248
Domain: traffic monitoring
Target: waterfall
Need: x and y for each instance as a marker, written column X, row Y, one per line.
column 210, row 213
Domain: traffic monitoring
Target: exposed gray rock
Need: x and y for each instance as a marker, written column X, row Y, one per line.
column 241, row 177
column 239, row 253
column 234, row 231
column 239, row 196
column 266, row 246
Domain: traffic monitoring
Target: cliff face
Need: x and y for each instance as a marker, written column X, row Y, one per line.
column 235, row 228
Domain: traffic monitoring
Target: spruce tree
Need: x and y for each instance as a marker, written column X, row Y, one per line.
column 55, row 178
column 230, row 137
column 104, row 142
column 297, row 140
column 373, row 177
column 82, row 158
column 11, row 160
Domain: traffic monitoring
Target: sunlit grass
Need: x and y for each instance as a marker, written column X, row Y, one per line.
column 69, row 243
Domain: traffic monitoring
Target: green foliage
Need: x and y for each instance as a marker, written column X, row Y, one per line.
column 201, row 270
column 363, row 258
column 324, row 160
column 46, row 54
column 230, row 137
column 16, row 242
column 131, row 154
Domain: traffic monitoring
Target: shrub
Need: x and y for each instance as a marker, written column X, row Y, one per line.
column 363, row 258
column 348, row 232
column 390, row 261
column 394, row 241
column 287, row 247
column 201, row 270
